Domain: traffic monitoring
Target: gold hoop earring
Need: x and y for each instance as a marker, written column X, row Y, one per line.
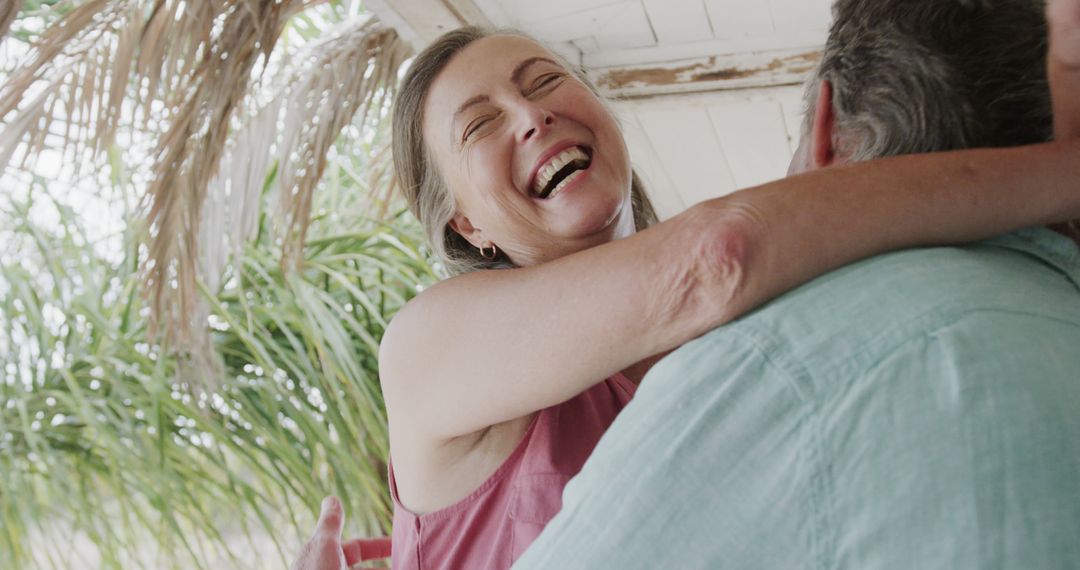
column 485, row 255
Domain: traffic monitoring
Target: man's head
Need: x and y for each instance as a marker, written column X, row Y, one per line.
column 908, row 76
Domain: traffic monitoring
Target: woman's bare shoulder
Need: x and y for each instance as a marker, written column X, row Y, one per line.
column 424, row 320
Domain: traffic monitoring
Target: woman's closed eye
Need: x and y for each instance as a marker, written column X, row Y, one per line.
column 545, row 81
column 540, row 86
column 476, row 126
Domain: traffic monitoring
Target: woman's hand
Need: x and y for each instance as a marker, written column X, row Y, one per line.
column 325, row 551
column 1063, row 66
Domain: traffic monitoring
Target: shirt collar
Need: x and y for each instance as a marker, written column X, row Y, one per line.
column 1054, row 249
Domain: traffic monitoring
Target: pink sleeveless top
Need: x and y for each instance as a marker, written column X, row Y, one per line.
column 494, row 525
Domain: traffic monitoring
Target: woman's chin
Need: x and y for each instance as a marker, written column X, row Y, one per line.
column 592, row 227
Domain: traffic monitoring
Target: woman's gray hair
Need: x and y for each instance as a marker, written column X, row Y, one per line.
column 913, row 76
column 426, row 193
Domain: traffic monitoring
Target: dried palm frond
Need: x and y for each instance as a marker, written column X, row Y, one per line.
column 234, row 197
column 195, row 60
column 351, row 73
column 62, row 69
column 345, row 79
column 382, row 179
column 188, row 157
column 81, row 71
column 8, row 10
column 189, row 66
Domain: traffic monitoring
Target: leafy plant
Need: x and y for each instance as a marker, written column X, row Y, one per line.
column 114, row 449
column 101, row 443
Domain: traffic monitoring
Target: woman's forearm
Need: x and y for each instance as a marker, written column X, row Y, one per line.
column 813, row 223
column 490, row 346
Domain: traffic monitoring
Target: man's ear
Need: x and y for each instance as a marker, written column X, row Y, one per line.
column 461, row 224
column 822, row 149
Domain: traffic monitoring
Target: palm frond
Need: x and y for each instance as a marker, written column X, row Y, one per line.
column 351, row 73
column 67, row 53
column 187, row 67
column 82, row 68
column 188, row 156
column 100, row 446
column 345, row 79
column 101, row 442
column 8, row 10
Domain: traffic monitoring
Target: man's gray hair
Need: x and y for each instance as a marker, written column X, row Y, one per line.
column 913, row 76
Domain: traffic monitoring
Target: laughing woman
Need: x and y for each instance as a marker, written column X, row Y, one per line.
column 500, row 380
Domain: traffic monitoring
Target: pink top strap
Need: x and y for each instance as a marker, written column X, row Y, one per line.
column 494, row 525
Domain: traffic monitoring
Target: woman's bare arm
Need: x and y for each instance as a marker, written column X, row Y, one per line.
column 484, row 348
column 851, row 212
column 490, row 346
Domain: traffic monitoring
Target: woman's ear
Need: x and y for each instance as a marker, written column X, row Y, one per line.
column 822, row 149
column 461, row 224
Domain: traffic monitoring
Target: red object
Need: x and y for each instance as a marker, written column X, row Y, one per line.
column 369, row 549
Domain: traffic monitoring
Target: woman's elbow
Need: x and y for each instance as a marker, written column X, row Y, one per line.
column 713, row 268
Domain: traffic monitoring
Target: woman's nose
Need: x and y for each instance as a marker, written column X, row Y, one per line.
column 535, row 121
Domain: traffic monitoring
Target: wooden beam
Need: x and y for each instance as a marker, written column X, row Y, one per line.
column 708, row 73
column 468, row 12
column 421, row 21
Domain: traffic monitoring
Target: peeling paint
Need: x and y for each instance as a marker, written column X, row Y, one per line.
column 707, row 71
column 621, row 78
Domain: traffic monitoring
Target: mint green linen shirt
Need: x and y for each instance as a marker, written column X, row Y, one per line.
column 916, row 410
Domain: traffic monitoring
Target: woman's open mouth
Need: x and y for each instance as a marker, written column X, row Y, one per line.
column 560, row 171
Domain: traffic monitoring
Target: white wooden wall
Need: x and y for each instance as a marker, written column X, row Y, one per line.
column 690, row 148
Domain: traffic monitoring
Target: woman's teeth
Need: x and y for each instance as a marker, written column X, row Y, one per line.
column 565, row 181
column 547, row 172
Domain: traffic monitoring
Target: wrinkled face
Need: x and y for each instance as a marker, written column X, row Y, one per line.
column 536, row 163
